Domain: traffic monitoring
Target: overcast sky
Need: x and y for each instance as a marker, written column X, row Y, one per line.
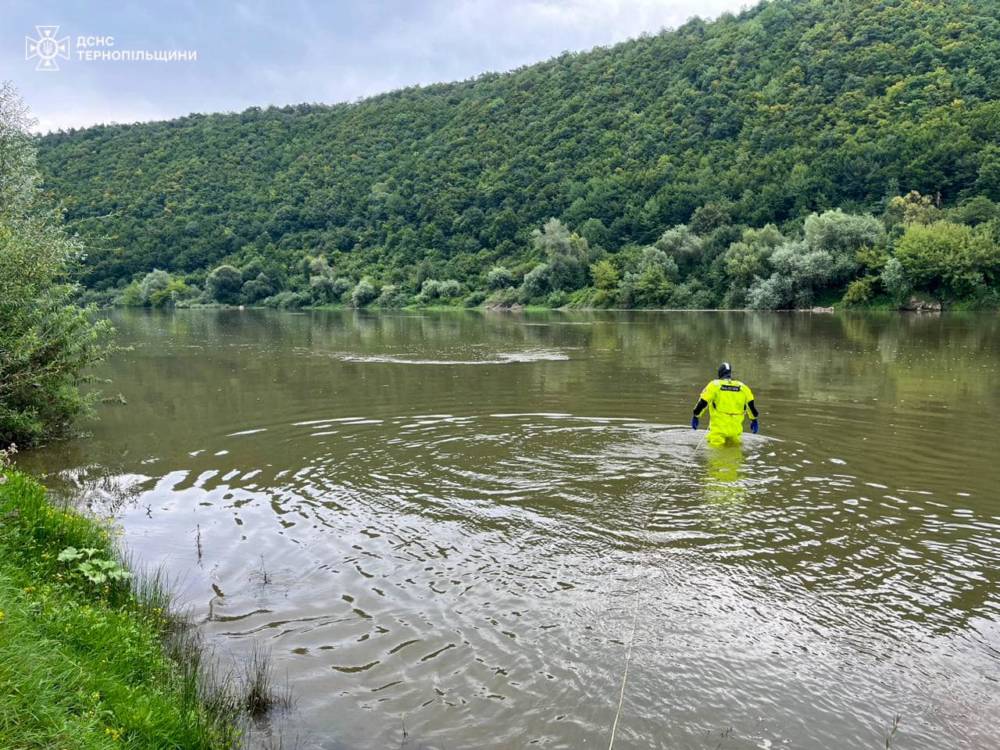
column 289, row 51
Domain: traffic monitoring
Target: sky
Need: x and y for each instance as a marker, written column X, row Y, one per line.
column 255, row 53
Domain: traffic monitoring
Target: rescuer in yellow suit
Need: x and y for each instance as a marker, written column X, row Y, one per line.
column 728, row 401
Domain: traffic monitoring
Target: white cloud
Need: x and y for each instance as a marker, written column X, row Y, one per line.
column 63, row 108
column 313, row 51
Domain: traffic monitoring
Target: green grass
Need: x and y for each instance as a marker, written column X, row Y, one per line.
column 93, row 665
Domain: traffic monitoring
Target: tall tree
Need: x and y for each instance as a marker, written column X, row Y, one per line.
column 47, row 343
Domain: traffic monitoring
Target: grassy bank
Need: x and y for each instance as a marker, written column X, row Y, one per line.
column 89, row 656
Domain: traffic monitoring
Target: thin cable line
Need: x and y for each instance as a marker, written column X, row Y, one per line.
column 631, row 638
column 628, row 662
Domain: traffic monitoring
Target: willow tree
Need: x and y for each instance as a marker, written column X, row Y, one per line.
column 47, row 343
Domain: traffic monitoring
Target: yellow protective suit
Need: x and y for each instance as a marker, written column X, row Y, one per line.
column 727, row 406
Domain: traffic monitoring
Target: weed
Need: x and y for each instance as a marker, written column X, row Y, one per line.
column 258, row 694
column 892, row 731
column 91, row 655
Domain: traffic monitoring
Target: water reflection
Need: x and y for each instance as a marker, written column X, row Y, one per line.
column 444, row 519
column 724, row 476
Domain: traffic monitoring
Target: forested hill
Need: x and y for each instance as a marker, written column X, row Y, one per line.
column 793, row 107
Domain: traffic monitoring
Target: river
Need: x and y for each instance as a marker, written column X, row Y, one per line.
column 450, row 529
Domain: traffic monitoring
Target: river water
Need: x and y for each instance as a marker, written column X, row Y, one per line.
column 450, row 529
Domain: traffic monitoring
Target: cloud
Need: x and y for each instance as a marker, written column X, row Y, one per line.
column 257, row 53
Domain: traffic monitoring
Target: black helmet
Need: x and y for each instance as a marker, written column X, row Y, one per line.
column 725, row 370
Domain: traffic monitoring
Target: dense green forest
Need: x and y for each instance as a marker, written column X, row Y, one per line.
column 803, row 152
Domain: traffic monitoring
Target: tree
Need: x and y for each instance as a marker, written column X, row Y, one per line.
column 47, row 343
column 567, row 253
column 947, row 260
column 747, row 260
column 224, row 285
column 154, row 288
column 257, row 288
column 605, row 275
column 747, row 121
column 912, row 208
column 365, row 292
column 681, row 244
column 499, row 277
column 651, row 282
column 894, row 279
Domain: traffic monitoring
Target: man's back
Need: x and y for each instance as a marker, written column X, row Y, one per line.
column 728, row 401
column 728, row 396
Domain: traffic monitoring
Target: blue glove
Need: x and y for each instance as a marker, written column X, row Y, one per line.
column 754, row 426
column 694, row 423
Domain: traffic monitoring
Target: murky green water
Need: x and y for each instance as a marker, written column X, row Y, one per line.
column 447, row 522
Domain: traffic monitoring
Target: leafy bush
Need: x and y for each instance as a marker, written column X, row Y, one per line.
column 47, row 343
column 156, row 289
column 558, row 298
column 476, row 298
column 568, row 258
column 323, row 290
column 365, row 292
column 895, row 280
column 93, row 566
column 499, row 277
column 604, row 275
column 503, row 297
column 650, row 282
column 432, row 290
column 682, row 245
column 947, row 260
column 860, row 291
column 258, row 287
column 287, row 300
column 391, row 296
column 536, row 283
column 224, row 285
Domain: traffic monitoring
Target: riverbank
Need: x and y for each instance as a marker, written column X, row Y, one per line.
column 90, row 656
column 830, row 305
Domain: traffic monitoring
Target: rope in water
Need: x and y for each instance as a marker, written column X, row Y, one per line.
column 628, row 662
column 631, row 638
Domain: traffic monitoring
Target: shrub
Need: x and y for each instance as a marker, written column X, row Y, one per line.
column 153, row 288
column 287, row 300
column 536, row 283
column 499, row 277
column 503, row 297
column 365, row 292
column 747, row 260
column 692, row 294
column 860, row 291
column 895, row 280
column 156, row 289
column 47, row 343
column 948, row 260
column 605, row 275
column 567, row 257
column 558, row 298
column 323, row 290
column 432, row 289
column 649, row 285
column 391, row 296
column 257, row 288
column 680, row 244
column 475, row 299
column 224, row 285
column 774, row 293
